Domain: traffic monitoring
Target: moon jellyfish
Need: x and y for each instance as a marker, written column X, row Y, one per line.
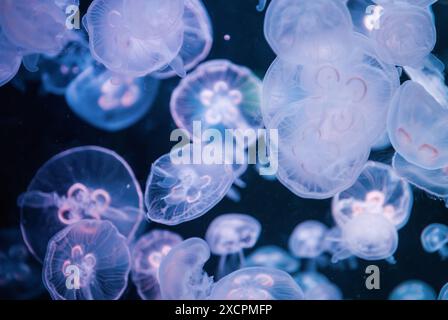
column 80, row 183
column 434, row 238
column 230, row 234
column 308, row 31
column 10, row 59
column 307, row 239
column 378, row 190
column 317, row 287
column 443, row 295
column 418, row 127
column 219, row 94
column 181, row 273
column 177, row 192
column 257, row 283
column 413, row 290
column 109, row 102
column 198, row 38
column 272, row 257
column 147, row 255
column 88, row 260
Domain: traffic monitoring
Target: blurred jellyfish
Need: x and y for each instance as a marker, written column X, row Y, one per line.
column 147, row 255
column 198, row 38
column 443, row 295
column 10, row 59
column 80, row 183
column 88, row 260
column 177, row 192
column 221, row 95
column 307, row 239
column 257, row 283
column 334, row 245
column 317, row 287
column 272, row 257
column 230, row 234
column 434, row 238
column 110, row 102
column 418, row 127
column 378, row 190
column 413, row 290
column 181, row 273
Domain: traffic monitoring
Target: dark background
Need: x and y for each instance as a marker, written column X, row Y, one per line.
column 35, row 126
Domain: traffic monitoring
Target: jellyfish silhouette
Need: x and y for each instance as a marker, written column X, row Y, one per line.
column 434, row 238
column 272, row 257
column 413, row 290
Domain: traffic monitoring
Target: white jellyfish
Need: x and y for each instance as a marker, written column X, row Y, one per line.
column 307, row 239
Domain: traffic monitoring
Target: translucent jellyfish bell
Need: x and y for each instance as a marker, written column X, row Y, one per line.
column 434, row 238
column 308, row 31
column 257, row 283
column 443, row 295
column 272, row 257
column 10, row 60
column 307, row 239
column 147, row 255
column 418, row 127
column 378, row 190
column 413, row 290
column 110, row 102
column 80, row 183
column 88, row 260
column 317, row 287
column 181, row 273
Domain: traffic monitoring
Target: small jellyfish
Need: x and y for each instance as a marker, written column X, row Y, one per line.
column 418, row 127
column 257, row 283
column 230, row 234
column 10, row 59
column 88, row 260
column 307, row 239
column 177, row 192
column 181, row 274
column 413, row 290
column 272, row 257
column 147, row 255
column 80, row 183
column 434, row 238
column 110, row 102
column 378, row 190
column 317, row 287
column 220, row 95
column 443, row 295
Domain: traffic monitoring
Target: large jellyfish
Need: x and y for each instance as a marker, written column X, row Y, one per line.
column 413, row 290
column 219, row 95
column 10, row 59
column 443, row 295
column 272, row 257
column 80, row 183
column 110, row 102
column 147, row 255
column 177, row 192
column 378, row 190
column 317, row 287
column 434, row 238
column 418, row 127
column 88, row 260
column 257, row 283
column 307, row 239
column 308, row 31
column 230, row 234
column 181, row 273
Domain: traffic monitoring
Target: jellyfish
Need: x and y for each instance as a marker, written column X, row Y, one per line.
column 198, row 38
column 80, row 183
column 10, row 59
column 308, row 31
column 88, row 260
column 434, row 238
column 178, row 191
column 181, row 274
column 418, row 127
column 317, row 287
column 230, row 234
column 333, row 245
column 109, row 102
column 136, row 38
column 306, row 241
column 257, row 283
column 272, row 257
column 147, row 255
column 378, row 190
column 220, row 95
column 443, row 295
column 413, row 290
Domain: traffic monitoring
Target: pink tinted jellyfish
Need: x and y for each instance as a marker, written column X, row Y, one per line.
column 378, row 190
column 434, row 238
column 147, row 255
column 181, row 273
column 10, row 59
column 230, row 234
column 110, row 102
column 80, row 183
column 257, row 283
column 218, row 95
column 307, row 239
column 88, row 260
